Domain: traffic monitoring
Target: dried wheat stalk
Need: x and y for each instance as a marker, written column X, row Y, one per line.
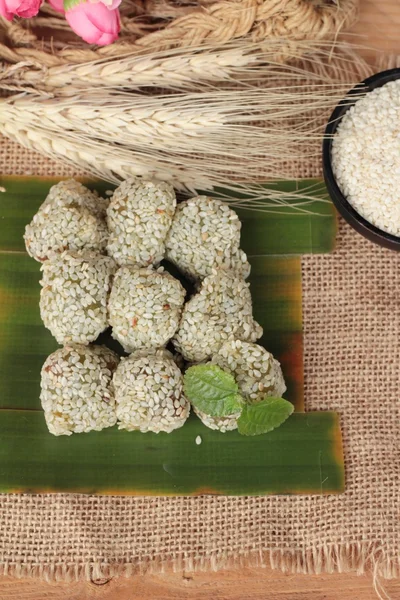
column 198, row 140
column 255, row 125
column 241, row 63
column 97, row 160
column 227, row 123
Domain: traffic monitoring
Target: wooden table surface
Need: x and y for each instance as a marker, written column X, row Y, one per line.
column 379, row 27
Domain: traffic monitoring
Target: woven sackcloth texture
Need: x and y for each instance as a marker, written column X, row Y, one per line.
column 352, row 357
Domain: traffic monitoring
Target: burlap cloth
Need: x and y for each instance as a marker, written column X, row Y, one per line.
column 352, row 358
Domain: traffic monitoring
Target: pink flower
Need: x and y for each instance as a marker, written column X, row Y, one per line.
column 21, row 8
column 58, row 5
column 111, row 4
column 94, row 22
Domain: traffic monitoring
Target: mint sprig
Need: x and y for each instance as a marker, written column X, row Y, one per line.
column 264, row 416
column 212, row 390
column 216, row 393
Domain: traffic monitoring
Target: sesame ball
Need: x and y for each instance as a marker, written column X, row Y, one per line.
column 222, row 309
column 205, row 234
column 71, row 218
column 73, row 299
column 257, row 373
column 139, row 217
column 149, row 392
column 70, row 191
column 77, row 394
column 145, row 307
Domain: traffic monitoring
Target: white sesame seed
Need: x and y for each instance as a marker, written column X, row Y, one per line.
column 218, row 311
column 205, row 234
column 70, row 406
column 67, row 310
column 366, row 157
column 139, row 217
column 141, row 403
column 71, row 217
column 135, row 321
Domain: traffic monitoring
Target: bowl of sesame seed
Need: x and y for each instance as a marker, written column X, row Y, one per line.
column 361, row 158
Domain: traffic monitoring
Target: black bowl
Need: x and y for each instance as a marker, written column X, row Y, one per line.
column 344, row 207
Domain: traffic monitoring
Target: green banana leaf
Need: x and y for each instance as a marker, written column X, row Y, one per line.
column 296, row 458
column 25, row 342
column 308, row 228
column 301, row 227
column 303, row 456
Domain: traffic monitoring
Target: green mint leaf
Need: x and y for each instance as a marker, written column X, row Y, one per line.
column 264, row 416
column 212, row 390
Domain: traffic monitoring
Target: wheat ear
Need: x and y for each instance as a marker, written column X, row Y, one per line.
column 96, row 159
column 228, row 124
column 239, row 62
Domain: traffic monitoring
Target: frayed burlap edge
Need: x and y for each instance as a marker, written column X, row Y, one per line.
column 357, row 557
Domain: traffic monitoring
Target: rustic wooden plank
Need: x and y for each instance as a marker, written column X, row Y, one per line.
column 241, row 584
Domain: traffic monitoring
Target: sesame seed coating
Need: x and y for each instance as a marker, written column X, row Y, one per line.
column 71, row 218
column 77, row 394
column 70, row 191
column 144, row 307
column 73, row 299
column 149, row 392
column 139, row 217
column 222, row 424
column 257, row 373
column 222, row 309
column 205, row 234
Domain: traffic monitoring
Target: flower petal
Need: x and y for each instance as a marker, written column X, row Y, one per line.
column 106, row 21
column 5, row 12
column 79, row 23
column 58, row 5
